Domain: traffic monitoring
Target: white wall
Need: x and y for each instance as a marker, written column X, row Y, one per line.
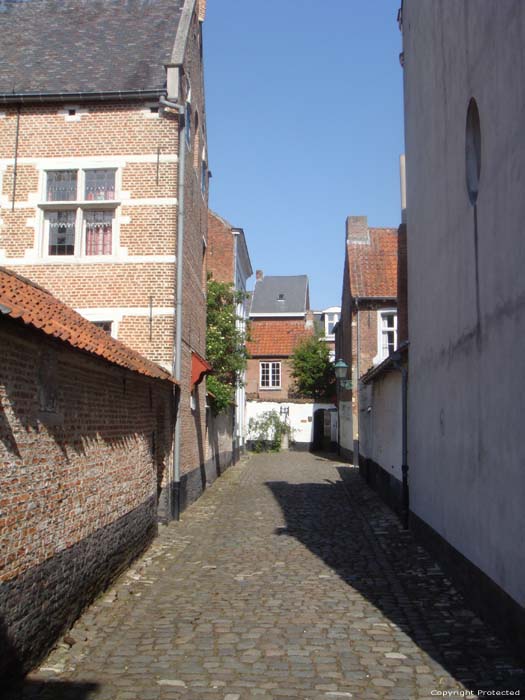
column 467, row 285
column 346, row 437
column 300, row 416
column 380, row 422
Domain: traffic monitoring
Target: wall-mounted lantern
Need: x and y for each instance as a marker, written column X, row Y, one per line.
column 341, row 370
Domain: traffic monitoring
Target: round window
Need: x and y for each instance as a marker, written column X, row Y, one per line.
column 473, row 151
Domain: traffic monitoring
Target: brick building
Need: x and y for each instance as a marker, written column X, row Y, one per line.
column 104, row 181
column 367, row 331
column 228, row 260
column 280, row 318
column 325, row 323
column 86, row 426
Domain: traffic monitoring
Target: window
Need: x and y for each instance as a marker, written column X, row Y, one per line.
column 330, row 321
column 270, row 375
column 473, row 151
column 106, row 326
column 388, row 333
column 187, row 124
column 79, row 212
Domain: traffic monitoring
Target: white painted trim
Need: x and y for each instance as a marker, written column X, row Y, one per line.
column 149, row 202
column 120, row 259
column 278, row 315
column 110, row 313
column 117, row 161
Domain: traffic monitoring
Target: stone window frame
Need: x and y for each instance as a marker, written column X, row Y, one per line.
column 271, row 364
column 80, row 205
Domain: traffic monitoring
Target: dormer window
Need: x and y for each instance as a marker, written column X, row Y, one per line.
column 280, row 297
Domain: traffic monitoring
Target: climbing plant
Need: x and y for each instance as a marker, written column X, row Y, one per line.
column 267, row 431
column 225, row 343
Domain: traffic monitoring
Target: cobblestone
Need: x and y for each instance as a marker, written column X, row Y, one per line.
column 287, row 579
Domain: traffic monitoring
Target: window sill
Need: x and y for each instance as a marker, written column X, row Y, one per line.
column 85, row 204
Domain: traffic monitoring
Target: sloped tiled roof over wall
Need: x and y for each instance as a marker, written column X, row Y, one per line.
column 86, row 46
column 276, row 338
column 372, row 264
column 284, row 294
column 34, row 306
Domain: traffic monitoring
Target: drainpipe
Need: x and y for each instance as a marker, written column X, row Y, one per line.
column 358, row 370
column 404, row 443
column 174, row 497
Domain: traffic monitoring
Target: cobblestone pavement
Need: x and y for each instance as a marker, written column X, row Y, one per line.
column 287, row 579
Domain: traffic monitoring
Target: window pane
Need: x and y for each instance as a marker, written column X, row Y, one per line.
column 99, row 226
column 276, row 374
column 104, row 325
column 61, row 232
column 100, row 184
column 61, row 185
column 388, row 320
column 265, row 373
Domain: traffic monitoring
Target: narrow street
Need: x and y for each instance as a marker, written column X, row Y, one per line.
column 287, row 579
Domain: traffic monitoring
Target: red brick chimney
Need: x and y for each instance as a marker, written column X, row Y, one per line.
column 259, row 274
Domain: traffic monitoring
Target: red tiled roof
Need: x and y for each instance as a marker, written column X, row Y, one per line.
column 36, row 307
column 276, row 338
column 373, row 266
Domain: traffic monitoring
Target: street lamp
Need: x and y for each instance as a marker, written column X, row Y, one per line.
column 341, row 369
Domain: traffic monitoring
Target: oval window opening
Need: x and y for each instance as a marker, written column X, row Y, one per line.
column 473, row 151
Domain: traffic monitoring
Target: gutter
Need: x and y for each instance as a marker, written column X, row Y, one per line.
column 174, row 498
column 43, row 97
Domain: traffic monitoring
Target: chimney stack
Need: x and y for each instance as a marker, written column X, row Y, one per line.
column 357, row 229
column 201, row 10
column 259, row 274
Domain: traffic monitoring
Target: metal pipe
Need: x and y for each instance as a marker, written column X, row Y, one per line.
column 32, row 97
column 174, row 499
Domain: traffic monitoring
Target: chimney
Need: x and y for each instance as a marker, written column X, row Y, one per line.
column 201, row 10
column 309, row 320
column 357, row 229
column 259, row 274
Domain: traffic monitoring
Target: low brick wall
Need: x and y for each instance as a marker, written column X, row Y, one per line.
column 84, row 445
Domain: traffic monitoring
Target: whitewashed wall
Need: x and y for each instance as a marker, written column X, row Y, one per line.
column 300, row 417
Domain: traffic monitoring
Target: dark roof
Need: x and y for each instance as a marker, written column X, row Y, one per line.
column 23, row 300
column 372, row 265
column 86, row 46
column 268, row 292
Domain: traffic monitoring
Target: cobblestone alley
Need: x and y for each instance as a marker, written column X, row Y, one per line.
column 288, row 579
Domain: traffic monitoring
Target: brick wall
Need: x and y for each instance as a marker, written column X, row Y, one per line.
column 79, row 485
column 220, row 252
column 253, row 390
column 144, row 148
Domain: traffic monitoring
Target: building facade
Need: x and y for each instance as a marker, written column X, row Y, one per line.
column 465, row 154
column 228, row 261
column 280, row 318
column 104, row 183
column 367, row 331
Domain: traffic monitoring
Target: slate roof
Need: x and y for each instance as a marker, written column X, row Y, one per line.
column 276, row 338
column 267, row 292
column 86, row 46
column 372, row 266
column 22, row 299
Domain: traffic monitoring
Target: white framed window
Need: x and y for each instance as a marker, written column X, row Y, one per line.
column 79, row 210
column 270, row 375
column 330, row 320
column 387, row 333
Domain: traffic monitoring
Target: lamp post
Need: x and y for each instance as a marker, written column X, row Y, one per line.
column 341, row 370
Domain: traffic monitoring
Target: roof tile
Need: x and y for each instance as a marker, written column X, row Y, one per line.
column 372, row 266
column 276, row 338
column 38, row 308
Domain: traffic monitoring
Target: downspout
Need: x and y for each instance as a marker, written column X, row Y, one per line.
column 358, row 370
column 174, row 496
column 404, row 439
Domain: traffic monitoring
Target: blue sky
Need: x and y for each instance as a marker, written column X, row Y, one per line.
column 305, row 127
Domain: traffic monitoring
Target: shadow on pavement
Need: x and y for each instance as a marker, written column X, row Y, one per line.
column 344, row 523
column 48, row 690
